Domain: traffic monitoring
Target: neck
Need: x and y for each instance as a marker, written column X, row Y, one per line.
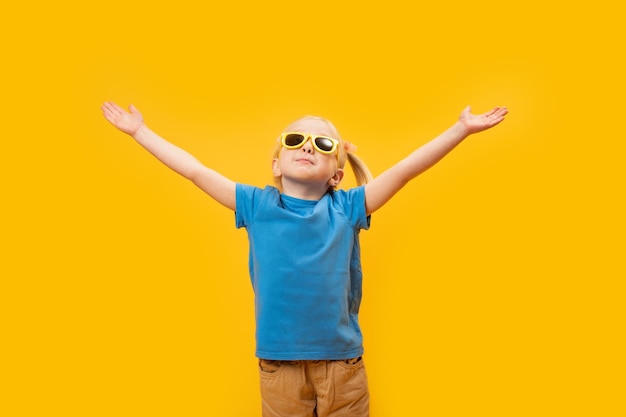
column 304, row 191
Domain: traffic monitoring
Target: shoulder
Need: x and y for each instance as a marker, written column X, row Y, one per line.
column 352, row 204
column 248, row 200
column 351, row 196
column 251, row 192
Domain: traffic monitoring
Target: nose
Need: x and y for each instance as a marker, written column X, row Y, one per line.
column 308, row 146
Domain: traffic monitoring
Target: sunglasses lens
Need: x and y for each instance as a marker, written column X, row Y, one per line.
column 294, row 139
column 324, row 144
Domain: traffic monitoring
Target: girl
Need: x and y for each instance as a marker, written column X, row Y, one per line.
column 305, row 263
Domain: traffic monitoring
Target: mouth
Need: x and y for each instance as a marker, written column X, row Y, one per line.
column 305, row 161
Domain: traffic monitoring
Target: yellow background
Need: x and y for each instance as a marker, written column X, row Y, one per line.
column 493, row 283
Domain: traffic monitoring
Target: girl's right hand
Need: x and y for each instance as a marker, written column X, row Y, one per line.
column 126, row 121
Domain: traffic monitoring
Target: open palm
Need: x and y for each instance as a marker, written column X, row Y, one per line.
column 126, row 121
column 478, row 122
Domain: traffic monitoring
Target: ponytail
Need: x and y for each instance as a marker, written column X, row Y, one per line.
column 361, row 171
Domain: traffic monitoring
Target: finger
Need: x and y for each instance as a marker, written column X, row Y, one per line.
column 106, row 110
column 500, row 110
column 111, row 112
column 495, row 121
column 491, row 112
column 108, row 116
column 111, row 108
column 106, row 106
column 114, row 107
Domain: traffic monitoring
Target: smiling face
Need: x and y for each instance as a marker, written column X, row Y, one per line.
column 305, row 168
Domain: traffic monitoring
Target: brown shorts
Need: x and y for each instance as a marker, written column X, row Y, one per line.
column 314, row 388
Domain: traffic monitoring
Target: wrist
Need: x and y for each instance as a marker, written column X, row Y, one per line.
column 141, row 131
column 461, row 129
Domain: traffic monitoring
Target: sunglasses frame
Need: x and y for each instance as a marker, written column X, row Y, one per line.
column 313, row 138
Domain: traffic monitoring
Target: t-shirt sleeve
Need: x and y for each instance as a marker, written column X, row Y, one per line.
column 353, row 203
column 246, row 196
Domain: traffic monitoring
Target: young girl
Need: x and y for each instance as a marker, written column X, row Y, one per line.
column 304, row 262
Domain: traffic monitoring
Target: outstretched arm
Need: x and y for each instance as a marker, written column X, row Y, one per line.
column 131, row 122
column 386, row 185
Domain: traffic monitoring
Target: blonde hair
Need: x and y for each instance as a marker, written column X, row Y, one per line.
column 345, row 152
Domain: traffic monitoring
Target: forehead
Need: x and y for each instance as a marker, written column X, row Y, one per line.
column 312, row 125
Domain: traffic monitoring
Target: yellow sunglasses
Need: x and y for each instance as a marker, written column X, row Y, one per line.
column 322, row 144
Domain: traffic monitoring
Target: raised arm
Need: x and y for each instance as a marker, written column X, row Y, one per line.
column 131, row 122
column 386, row 185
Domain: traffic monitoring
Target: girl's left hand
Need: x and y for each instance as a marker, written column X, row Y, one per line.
column 478, row 122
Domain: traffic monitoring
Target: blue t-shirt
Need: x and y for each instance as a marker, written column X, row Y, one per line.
column 305, row 269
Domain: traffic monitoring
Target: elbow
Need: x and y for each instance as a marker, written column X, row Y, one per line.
column 194, row 175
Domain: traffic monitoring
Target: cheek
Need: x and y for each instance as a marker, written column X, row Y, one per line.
column 331, row 162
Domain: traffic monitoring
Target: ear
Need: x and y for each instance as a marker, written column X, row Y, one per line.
column 336, row 179
column 276, row 168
